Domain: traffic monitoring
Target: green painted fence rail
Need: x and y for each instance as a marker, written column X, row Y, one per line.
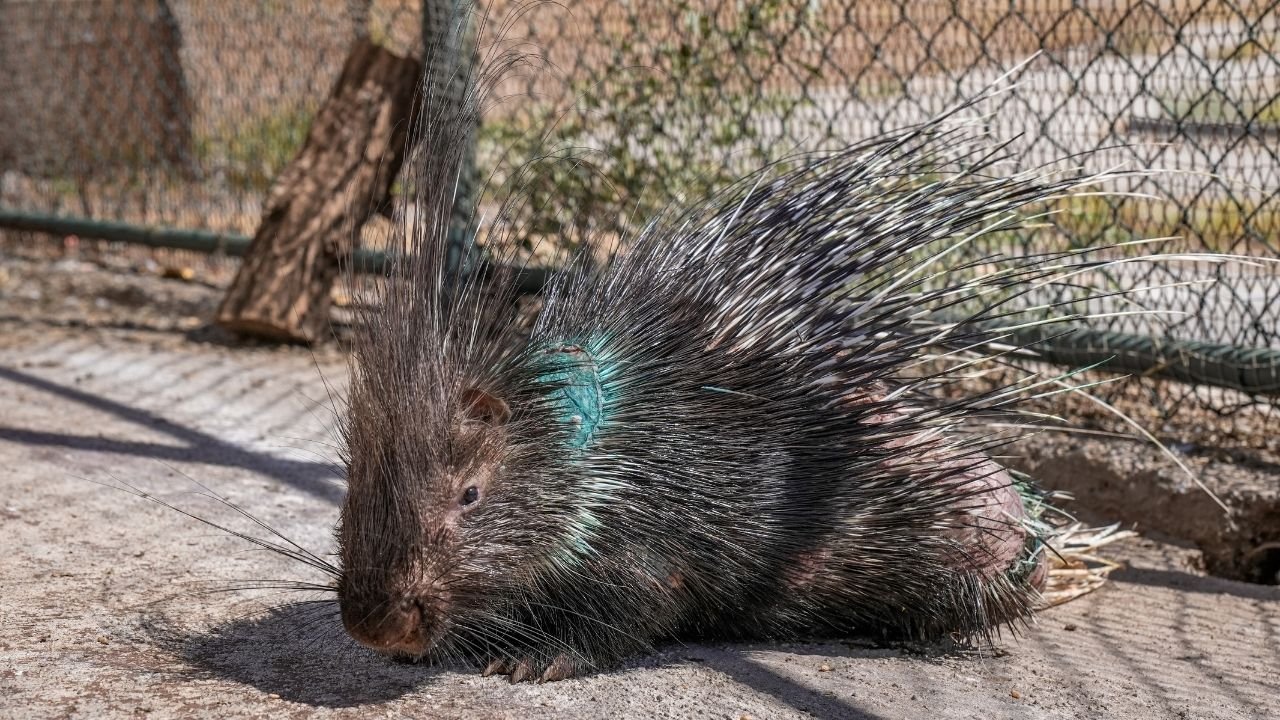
column 1254, row 371
column 205, row 241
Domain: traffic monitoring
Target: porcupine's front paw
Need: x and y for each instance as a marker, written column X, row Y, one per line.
column 560, row 668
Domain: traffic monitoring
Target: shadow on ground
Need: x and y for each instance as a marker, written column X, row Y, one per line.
column 314, row 478
column 300, row 653
column 296, row 651
column 757, row 676
column 1187, row 582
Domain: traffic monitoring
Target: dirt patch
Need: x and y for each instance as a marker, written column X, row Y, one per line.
column 95, row 286
column 1136, row 484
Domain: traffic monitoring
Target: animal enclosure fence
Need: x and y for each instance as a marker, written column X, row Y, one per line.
column 179, row 114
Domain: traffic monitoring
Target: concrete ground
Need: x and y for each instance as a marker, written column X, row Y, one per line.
column 116, row 607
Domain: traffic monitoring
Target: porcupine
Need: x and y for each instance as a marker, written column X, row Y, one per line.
column 717, row 435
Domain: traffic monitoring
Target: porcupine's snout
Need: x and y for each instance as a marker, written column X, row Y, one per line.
column 394, row 623
column 391, row 626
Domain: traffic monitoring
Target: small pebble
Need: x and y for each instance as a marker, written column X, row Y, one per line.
column 824, row 668
column 1015, row 694
column 178, row 273
column 103, row 639
column 1070, row 627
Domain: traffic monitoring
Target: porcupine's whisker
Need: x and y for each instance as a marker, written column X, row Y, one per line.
column 291, row 551
column 284, row 585
column 208, row 492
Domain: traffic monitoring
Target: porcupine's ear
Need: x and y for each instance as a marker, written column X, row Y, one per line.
column 480, row 406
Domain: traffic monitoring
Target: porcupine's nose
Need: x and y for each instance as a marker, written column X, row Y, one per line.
column 386, row 626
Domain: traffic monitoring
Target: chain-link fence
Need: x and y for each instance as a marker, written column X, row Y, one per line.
column 179, row 113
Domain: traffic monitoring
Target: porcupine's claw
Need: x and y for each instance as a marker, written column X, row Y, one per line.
column 523, row 671
column 560, row 668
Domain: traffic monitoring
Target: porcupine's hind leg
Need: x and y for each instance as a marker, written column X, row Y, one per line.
column 987, row 554
column 898, row 572
column 993, row 520
column 999, row 527
column 944, row 542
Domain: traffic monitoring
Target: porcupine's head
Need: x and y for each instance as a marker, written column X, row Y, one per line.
column 432, row 525
column 460, row 491
column 425, row 452
column 448, row 502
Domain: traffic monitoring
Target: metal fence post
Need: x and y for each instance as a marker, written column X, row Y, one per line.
column 445, row 26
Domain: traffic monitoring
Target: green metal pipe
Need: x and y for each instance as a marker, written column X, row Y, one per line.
column 205, row 241
column 528, row 281
column 1255, row 371
column 196, row 240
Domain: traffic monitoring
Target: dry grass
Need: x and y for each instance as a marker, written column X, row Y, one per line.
column 1210, row 224
column 1075, row 566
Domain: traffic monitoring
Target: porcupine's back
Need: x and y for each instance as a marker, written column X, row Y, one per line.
column 749, row 454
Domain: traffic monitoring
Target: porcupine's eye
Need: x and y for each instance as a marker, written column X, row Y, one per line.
column 470, row 495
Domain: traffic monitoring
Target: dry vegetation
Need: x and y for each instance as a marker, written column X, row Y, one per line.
column 864, row 45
